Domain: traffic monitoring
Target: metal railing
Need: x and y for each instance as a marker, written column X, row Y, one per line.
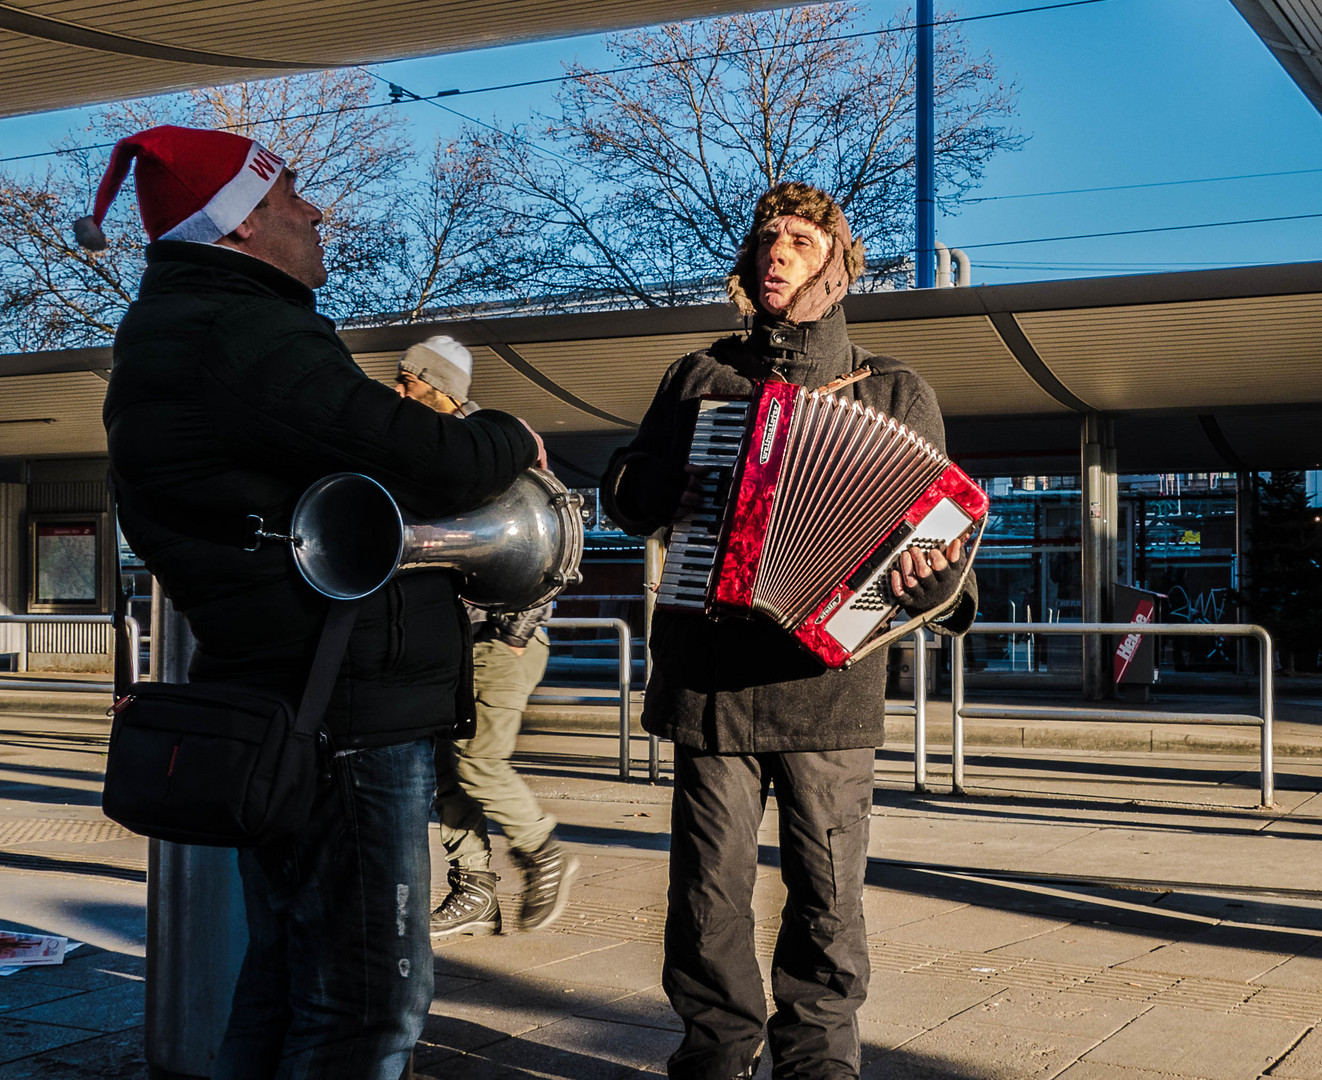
column 619, row 626
column 960, row 710
column 623, row 682
column 85, row 686
column 918, row 710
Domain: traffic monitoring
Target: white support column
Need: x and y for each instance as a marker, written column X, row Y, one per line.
column 1098, row 535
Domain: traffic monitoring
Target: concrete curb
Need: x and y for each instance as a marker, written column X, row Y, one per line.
column 1296, row 739
column 1291, row 740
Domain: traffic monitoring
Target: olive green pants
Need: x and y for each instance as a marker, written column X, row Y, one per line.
column 474, row 779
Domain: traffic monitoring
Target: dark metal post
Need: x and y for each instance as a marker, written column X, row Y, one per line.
column 196, row 930
column 1246, row 504
column 925, row 151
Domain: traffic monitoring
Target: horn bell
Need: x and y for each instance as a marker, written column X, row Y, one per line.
column 515, row 552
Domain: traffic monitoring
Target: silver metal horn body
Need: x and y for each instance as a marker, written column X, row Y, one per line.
column 517, row 551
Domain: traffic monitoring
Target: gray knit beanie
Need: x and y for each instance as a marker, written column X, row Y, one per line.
column 441, row 362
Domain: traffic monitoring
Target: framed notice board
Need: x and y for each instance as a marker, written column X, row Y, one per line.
column 69, row 567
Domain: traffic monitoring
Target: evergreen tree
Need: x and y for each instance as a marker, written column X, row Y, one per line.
column 1283, row 590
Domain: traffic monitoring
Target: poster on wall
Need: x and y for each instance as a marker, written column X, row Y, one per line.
column 65, row 570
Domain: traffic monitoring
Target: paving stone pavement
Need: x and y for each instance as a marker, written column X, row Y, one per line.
column 1083, row 914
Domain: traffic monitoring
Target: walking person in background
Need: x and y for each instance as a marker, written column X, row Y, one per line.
column 474, row 778
column 749, row 710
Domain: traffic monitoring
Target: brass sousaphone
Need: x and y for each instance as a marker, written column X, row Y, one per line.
column 350, row 537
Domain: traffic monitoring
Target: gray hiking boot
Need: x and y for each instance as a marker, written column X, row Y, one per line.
column 547, row 873
column 471, row 907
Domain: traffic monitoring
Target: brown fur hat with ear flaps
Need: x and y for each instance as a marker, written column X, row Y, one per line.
column 796, row 200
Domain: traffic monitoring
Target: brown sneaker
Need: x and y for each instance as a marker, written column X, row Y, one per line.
column 547, row 873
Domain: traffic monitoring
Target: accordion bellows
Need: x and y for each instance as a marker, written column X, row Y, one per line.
column 807, row 500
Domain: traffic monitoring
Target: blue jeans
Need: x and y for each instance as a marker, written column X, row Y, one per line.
column 337, row 977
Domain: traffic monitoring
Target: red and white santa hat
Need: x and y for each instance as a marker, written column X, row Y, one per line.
column 192, row 183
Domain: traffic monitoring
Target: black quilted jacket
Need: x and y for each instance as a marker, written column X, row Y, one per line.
column 229, row 396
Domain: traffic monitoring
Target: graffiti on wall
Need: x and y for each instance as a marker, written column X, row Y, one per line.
column 1207, row 606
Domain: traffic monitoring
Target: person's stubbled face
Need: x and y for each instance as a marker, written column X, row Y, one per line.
column 790, row 250
column 282, row 230
column 410, row 386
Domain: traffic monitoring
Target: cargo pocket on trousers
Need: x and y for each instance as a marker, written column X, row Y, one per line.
column 849, row 860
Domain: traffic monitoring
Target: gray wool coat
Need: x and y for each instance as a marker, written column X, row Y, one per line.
column 745, row 685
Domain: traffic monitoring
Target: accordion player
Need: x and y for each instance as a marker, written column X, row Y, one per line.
column 807, row 502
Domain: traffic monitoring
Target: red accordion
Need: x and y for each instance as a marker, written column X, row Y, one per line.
column 807, row 500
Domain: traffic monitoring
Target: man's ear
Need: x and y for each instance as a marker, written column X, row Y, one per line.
column 243, row 231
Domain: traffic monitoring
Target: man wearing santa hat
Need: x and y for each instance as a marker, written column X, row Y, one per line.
column 229, row 396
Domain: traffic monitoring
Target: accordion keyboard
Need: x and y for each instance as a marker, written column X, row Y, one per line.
column 691, row 550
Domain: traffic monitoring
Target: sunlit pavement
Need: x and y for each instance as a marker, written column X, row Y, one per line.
column 1086, row 912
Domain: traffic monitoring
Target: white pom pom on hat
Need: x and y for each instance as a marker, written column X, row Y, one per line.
column 192, row 183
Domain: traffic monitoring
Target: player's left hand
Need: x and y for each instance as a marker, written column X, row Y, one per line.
column 922, row 579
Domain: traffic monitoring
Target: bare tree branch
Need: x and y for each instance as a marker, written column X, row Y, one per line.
column 636, row 190
column 672, row 148
column 349, row 159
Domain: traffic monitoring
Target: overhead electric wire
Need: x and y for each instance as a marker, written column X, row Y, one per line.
column 1149, row 184
column 750, row 50
column 606, row 71
column 531, row 144
column 1127, row 265
column 1137, row 232
column 1115, row 232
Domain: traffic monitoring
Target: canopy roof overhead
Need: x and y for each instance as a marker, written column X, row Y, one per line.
column 1213, row 371
column 57, row 54
column 1292, row 30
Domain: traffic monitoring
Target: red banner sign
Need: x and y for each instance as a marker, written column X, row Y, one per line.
column 1125, row 653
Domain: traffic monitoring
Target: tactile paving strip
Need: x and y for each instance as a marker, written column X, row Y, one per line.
column 28, row 830
column 1278, row 1003
column 603, row 920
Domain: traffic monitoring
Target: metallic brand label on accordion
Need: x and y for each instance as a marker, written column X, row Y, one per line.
column 769, row 432
column 826, row 611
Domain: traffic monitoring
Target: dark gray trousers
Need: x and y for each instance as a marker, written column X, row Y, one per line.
column 819, row 971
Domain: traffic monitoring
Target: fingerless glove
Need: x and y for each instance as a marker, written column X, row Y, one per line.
column 933, row 590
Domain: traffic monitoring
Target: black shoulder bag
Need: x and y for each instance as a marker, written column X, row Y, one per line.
column 221, row 764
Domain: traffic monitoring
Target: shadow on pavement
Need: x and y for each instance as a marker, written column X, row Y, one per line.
column 1056, row 810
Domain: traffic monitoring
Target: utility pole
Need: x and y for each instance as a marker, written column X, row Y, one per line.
column 925, row 151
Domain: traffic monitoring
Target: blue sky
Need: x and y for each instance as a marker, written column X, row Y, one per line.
column 1175, row 95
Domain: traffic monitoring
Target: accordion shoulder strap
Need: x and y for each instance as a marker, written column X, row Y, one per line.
column 841, row 381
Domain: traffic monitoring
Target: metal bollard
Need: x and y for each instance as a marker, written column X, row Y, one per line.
column 196, row 929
